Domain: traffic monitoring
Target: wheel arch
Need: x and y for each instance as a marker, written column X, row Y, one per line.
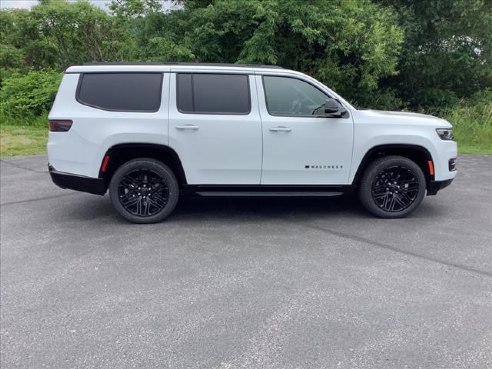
column 419, row 154
column 119, row 154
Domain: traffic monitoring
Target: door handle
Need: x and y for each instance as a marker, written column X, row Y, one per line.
column 280, row 129
column 190, row 127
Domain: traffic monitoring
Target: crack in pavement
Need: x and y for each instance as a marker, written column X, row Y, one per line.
column 21, row 167
column 38, row 199
column 395, row 249
column 34, row 199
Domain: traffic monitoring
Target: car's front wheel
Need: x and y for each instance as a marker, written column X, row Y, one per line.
column 144, row 191
column 392, row 187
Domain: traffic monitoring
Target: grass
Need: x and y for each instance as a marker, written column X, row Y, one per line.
column 22, row 140
column 472, row 126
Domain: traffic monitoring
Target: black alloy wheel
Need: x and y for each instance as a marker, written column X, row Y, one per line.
column 392, row 187
column 144, row 190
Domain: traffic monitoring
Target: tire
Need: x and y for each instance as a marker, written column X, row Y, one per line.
column 392, row 187
column 144, row 191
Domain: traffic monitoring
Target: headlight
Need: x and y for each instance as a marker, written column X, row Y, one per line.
column 445, row 133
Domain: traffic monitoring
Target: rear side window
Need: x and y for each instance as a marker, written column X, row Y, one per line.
column 136, row 92
column 213, row 93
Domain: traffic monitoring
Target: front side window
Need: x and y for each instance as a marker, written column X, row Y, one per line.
column 292, row 97
column 213, row 93
column 133, row 92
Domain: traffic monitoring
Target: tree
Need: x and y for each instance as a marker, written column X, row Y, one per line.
column 134, row 8
column 56, row 34
column 349, row 45
column 447, row 51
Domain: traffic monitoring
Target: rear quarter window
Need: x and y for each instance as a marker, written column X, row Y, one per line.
column 131, row 92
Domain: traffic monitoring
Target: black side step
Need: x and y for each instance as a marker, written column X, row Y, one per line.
column 268, row 190
column 268, row 193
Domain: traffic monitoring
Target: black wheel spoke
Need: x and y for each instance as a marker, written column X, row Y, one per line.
column 399, row 201
column 156, row 203
column 406, row 198
column 129, row 182
column 392, row 204
column 158, row 199
column 138, row 209
column 148, row 209
column 409, row 181
column 387, row 201
column 379, row 188
column 129, row 201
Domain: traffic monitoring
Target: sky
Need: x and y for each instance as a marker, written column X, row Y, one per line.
column 27, row 4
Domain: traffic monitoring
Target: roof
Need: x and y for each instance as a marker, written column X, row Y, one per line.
column 189, row 64
column 168, row 67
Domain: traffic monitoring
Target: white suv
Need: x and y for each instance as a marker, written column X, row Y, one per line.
column 150, row 132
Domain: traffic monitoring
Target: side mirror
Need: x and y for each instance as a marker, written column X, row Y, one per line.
column 333, row 108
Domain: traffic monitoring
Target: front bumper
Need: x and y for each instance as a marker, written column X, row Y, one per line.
column 436, row 186
column 78, row 183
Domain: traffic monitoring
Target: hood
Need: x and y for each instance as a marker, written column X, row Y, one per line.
column 401, row 117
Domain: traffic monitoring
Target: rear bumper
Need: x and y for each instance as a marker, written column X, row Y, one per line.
column 78, row 183
column 436, row 186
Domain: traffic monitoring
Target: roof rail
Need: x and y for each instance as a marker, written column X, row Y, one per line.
column 188, row 63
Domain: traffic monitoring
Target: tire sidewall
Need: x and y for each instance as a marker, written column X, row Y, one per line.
column 161, row 169
column 374, row 169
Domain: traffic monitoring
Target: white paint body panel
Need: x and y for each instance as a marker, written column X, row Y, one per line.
column 238, row 149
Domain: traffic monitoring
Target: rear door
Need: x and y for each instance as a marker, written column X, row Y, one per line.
column 215, row 127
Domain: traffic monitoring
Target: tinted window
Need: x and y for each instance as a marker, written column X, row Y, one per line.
column 290, row 96
column 139, row 92
column 213, row 93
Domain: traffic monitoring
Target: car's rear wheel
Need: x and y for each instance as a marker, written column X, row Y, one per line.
column 392, row 187
column 144, row 191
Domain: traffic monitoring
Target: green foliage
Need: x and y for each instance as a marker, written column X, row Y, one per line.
column 28, row 95
column 447, row 52
column 134, row 8
column 349, row 45
column 472, row 123
column 57, row 34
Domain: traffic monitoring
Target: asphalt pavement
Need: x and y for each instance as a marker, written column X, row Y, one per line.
column 244, row 283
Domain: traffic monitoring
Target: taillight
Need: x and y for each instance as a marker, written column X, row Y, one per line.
column 60, row 125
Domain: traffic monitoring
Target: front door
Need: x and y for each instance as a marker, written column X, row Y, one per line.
column 299, row 146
